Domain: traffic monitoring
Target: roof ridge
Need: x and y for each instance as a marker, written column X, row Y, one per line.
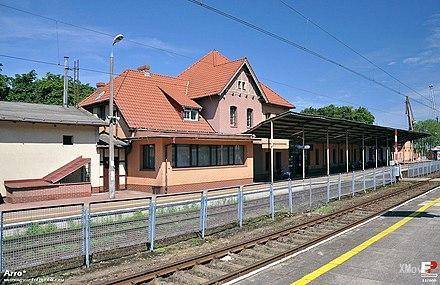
column 160, row 74
column 231, row 61
column 200, row 60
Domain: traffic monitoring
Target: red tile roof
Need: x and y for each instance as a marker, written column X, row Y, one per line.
column 210, row 74
column 26, row 183
column 149, row 102
column 51, row 178
column 274, row 98
column 143, row 102
column 66, row 169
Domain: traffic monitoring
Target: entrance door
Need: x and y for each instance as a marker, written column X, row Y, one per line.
column 106, row 176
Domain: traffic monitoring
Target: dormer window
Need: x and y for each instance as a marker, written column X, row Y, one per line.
column 190, row 114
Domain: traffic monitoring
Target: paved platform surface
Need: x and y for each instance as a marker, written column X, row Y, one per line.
column 394, row 259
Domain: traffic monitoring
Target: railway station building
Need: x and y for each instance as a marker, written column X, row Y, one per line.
column 209, row 127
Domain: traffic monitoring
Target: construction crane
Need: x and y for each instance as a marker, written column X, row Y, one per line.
column 409, row 114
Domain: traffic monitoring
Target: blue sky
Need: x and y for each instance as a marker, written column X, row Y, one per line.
column 403, row 37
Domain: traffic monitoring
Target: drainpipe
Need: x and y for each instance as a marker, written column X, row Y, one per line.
column 66, row 82
column 166, row 168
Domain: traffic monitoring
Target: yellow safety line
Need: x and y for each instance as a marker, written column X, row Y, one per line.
column 349, row 254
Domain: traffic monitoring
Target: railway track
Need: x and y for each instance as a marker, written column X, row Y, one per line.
column 232, row 261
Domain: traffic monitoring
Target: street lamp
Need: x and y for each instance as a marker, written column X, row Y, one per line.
column 112, row 121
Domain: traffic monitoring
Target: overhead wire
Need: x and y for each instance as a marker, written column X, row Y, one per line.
column 300, row 47
column 350, row 47
column 193, row 87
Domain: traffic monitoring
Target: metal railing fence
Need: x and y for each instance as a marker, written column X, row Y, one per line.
column 81, row 233
column 422, row 169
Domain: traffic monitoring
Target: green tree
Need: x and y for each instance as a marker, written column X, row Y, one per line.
column 359, row 114
column 4, row 86
column 431, row 127
column 27, row 87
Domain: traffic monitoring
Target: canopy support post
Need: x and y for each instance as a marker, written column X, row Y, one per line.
column 271, row 152
column 363, row 152
column 328, row 156
column 303, row 155
column 388, row 154
column 346, row 149
column 375, row 155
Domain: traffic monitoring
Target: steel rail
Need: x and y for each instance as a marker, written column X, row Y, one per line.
column 188, row 263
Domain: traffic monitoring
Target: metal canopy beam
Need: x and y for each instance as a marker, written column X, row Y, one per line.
column 316, row 127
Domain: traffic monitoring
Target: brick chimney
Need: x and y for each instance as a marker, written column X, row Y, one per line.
column 100, row 84
column 145, row 69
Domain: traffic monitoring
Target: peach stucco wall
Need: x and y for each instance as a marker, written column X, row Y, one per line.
column 165, row 174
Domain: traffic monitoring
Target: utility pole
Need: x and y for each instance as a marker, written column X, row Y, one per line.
column 66, row 82
column 112, row 121
column 432, row 97
column 75, row 77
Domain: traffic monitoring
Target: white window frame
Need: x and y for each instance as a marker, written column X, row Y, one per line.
column 188, row 113
column 233, row 120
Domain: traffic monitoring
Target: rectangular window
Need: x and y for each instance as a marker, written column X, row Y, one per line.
column 190, row 114
column 213, row 155
column 243, row 85
column 148, row 158
column 233, row 116
column 231, row 155
column 67, row 140
column 219, row 155
column 316, row 156
column 194, row 156
column 249, row 118
column 239, row 154
column 203, row 155
column 206, row 155
column 225, row 155
column 183, row 156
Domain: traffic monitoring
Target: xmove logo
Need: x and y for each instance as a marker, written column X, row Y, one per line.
column 428, row 269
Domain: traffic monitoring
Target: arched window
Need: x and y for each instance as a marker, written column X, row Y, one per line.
column 249, row 118
column 233, row 116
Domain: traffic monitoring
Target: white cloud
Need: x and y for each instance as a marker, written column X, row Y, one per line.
column 392, row 63
column 431, row 53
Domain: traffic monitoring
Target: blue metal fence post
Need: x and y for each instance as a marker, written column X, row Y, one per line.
column 86, row 234
column 152, row 222
column 240, row 206
column 374, row 179
column 339, row 186
column 2, row 265
column 363, row 181
column 391, row 174
column 328, row 188
column 310, row 193
column 203, row 212
column 272, row 202
column 289, row 186
column 352, row 183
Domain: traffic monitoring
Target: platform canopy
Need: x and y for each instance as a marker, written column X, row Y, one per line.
column 291, row 125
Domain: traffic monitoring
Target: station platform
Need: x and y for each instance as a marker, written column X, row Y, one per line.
column 387, row 250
